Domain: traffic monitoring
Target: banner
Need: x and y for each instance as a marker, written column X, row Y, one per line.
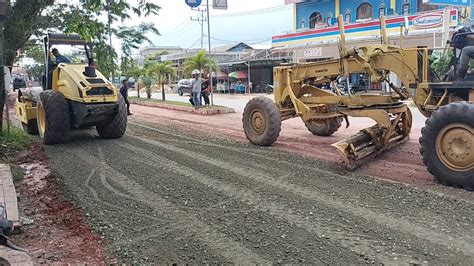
column 448, row 2
column 219, row 4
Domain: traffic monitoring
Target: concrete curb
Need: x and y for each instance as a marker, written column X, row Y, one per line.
column 8, row 195
column 9, row 199
column 190, row 109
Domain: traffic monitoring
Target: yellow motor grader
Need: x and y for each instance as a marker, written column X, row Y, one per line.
column 447, row 141
column 73, row 95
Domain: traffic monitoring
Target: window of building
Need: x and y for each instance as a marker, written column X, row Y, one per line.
column 347, row 17
column 382, row 11
column 364, row 11
column 406, row 7
column 328, row 19
column 422, row 7
column 303, row 23
column 315, row 19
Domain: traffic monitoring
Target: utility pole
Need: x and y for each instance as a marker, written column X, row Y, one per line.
column 210, row 51
column 201, row 20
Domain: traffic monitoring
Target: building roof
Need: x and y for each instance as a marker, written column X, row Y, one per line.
column 236, row 47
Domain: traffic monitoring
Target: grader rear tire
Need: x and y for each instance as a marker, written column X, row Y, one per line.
column 447, row 145
column 261, row 121
column 117, row 127
column 324, row 128
column 53, row 120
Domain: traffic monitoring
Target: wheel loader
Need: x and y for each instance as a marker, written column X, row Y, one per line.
column 73, row 95
column 447, row 141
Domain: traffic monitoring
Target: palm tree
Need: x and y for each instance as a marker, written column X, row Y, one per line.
column 200, row 62
column 137, row 73
column 162, row 71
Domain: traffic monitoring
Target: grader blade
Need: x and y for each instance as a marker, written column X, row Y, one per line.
column 359, row 149
column 372, row 141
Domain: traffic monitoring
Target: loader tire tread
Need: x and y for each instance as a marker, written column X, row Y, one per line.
column 57, row 117
column 459, row 112
column 272, row 117
column 118, row 125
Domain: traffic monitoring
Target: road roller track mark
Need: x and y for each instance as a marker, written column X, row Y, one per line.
column 399, row 224
column 231, row 250
column 258, row 203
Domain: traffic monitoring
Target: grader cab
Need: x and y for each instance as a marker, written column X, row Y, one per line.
column 447, row 138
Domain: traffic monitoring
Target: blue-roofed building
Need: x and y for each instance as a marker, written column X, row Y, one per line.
column 315, row 21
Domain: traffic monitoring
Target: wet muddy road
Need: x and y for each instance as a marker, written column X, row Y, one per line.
column 165, row 195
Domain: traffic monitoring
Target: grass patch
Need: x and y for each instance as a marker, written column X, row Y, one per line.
column 11, row 143
column 177, row 103
column 17, row 173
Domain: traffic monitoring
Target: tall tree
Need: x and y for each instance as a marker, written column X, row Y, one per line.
column 200, row 62
column 132, row 37
column 163, row 72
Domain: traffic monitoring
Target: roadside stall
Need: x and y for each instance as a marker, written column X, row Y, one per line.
column 222, row 82
column 238, row 81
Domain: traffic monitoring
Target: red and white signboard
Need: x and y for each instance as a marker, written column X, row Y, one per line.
column 428, row 21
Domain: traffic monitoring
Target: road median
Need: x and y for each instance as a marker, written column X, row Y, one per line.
column 181, row 106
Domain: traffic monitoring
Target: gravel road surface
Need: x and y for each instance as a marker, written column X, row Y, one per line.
column 166, row 195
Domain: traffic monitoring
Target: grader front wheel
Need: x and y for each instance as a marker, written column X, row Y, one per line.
column 447, row 145
column 324, row 128
column 261, row 121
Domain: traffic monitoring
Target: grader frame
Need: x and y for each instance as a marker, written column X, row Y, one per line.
column 393, row 118
column 447, row 142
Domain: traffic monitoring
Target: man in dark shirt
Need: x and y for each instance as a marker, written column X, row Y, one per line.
column 464, row 41
column 59, row 57
column 124, row 92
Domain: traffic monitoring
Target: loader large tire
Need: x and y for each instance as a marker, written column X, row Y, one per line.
column 117, row 127
column 261, row 121
column 447, row 145
column 324, row 128
column 53, row 118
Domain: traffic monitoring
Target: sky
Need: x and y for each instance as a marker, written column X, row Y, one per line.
column 251, row 21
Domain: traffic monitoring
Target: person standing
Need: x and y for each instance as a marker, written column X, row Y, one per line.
column 196, row 85
column 206, row 91
column 124, row 92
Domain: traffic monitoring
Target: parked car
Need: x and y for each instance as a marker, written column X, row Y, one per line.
column 18, row 83
column 184, row 87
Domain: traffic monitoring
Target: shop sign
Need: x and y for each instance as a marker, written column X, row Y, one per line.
column 315, row 52
column 428, row 21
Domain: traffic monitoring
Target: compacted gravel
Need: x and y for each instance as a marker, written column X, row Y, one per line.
column 167, row 195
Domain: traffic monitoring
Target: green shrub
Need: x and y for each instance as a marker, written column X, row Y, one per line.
column 11, row 143
column 15, row 140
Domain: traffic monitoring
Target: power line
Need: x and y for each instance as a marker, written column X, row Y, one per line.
column 177, row 32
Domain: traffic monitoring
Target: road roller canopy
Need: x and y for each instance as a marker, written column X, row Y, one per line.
column 65, row 39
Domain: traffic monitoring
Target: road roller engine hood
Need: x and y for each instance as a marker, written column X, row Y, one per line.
column 90, row 85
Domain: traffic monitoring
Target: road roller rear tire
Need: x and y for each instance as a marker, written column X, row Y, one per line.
column 261, row 121
column 117, row 127
column 53, row 118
